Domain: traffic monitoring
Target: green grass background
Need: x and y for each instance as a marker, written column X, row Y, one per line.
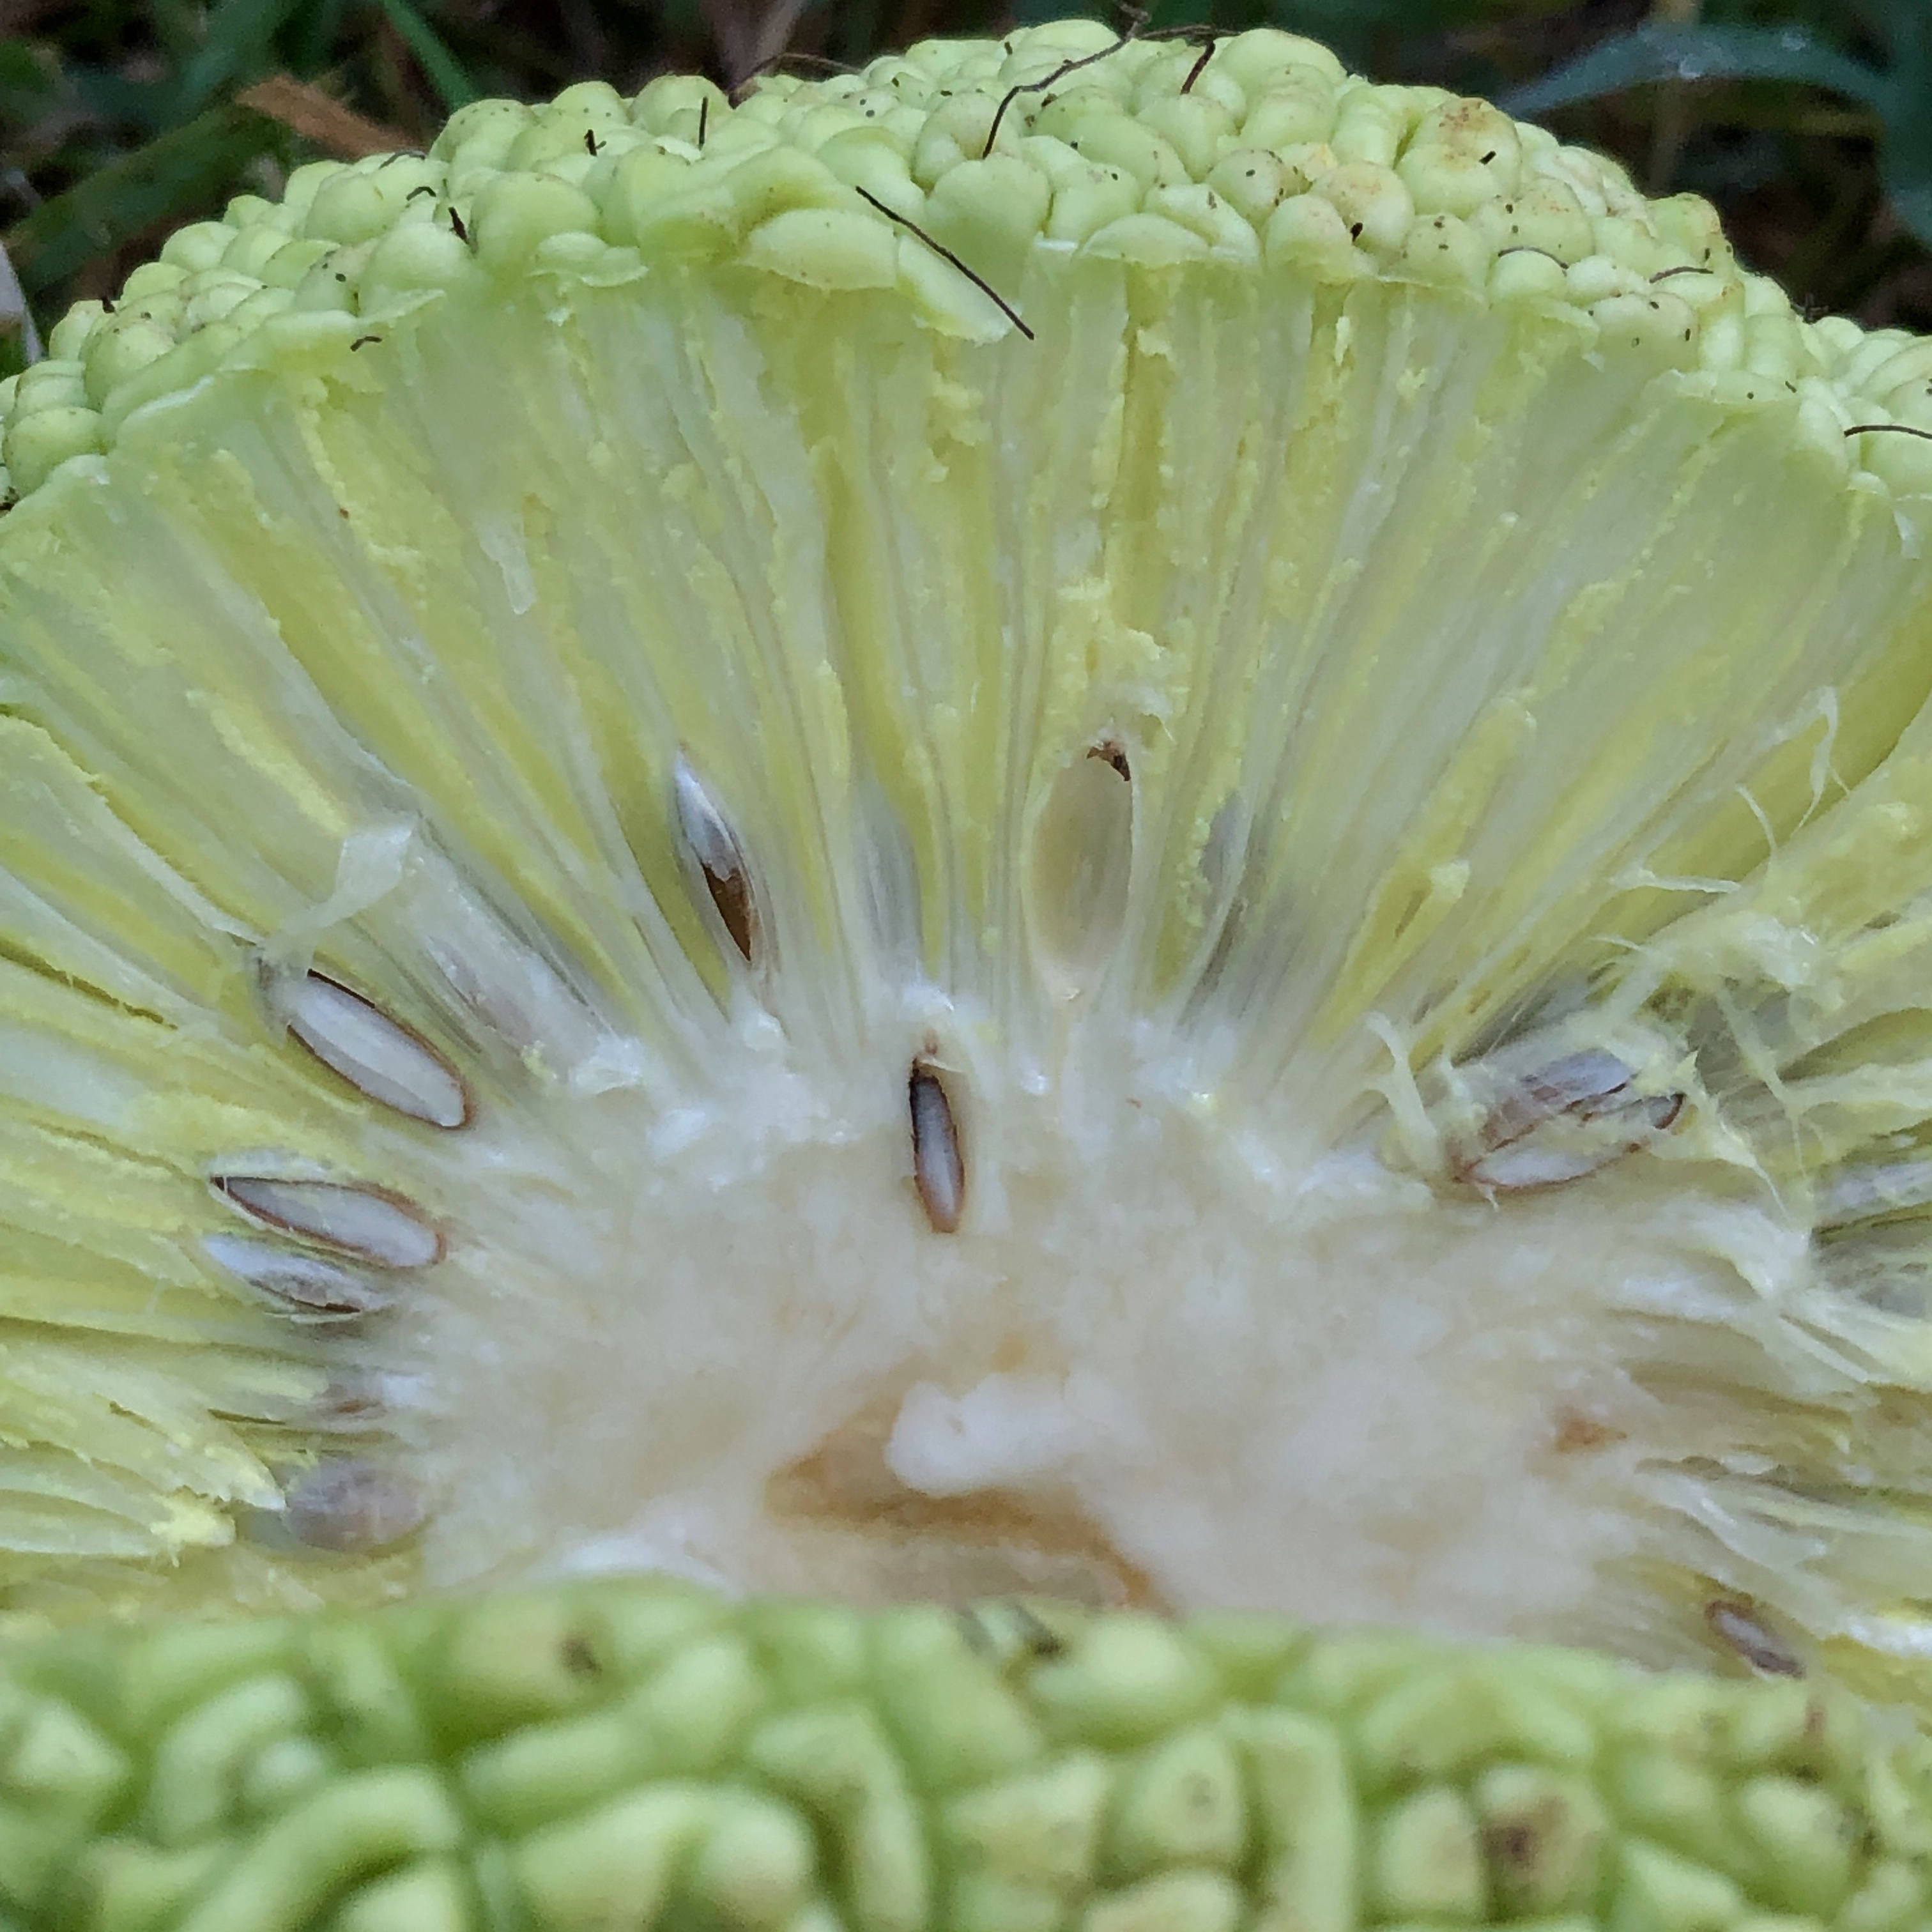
column 1809, row 122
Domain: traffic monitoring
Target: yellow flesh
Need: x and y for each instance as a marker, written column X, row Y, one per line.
column 1488, row 694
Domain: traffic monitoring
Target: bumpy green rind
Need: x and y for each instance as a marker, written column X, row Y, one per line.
column 937, row 173
column 632, row 1755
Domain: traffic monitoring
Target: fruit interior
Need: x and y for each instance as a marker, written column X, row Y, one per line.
column 1266, row 947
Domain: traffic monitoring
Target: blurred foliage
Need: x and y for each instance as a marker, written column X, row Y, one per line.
column 1809, row 122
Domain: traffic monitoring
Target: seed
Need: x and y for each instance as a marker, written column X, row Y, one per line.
column 376, row 1055
column 720, row 858
column 1565, row 1120
column 938, row 1168
column 371, row 1223
column 348, row 1507
column 305, row 1286
column 1741, row 1627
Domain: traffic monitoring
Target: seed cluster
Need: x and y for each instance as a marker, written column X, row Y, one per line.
column 943, row 174
column 641, row 1755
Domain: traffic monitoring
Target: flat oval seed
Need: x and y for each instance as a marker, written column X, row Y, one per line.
column 347, row 1507
column 307, row 1286
column 366, row 1222
column 720, row 858
column 938, row 1167
column 375, row 1055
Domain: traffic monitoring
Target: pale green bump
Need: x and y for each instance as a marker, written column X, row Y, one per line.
column 1296, row 111
column 1656, row 325
column 864, row 158
column 1545, row 1836
column 1897, row 1801
column 289, row 266
column 826, row 248
column 362, row 203
column 676, row 105
column 641, row 199
column 643, row 1628
column 1122, row 1681
column 1195, row 125
column 68, row 340
column 116, row 351
column 1657, row 1891
column 840, row 1766
column 200, row 245
column 960, row 1723
column 1116, row 140
column 1352, row 1666
column 36, row 445
column 373, row 1710
column 1598, row 278
column 1679, row 1800
column 701, row 1702
column 1184, row 1804
column 1440, row 1723
column 990, row 213
column 413, row 258
column 1426, row 1860
column 515, row 1660
column 254, row 247
column 120, row 1885
column 1147, row 240
column 1221, row 229
column 616, row 1867
column 281, row 1771
column 329, row 286
column 1177, row 1902
column 1267, row 50
column 194, row 1780
column 1039, row 1832
column 543, row 1772
column 479, row 135
column 56, row 382
column 514, row 213
column 956, row 131
column 1804, row 1839
column 1891, row 1896
column 1789, row 1725
column 427, row 1895
column 361, row 1824
column 815, row 1653
column 1374, row 205
column 1543, row 214
column 165, row 1670
column 213, row 296
column 1445, row 252
column 1084, row 204
column 304, row 185
column 755, row 1868
column 1249, row 1649
column 1307, row 1822
column 1520, row 274
column 1370, row 125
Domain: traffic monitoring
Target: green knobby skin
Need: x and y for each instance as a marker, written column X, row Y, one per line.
column 622, row 1755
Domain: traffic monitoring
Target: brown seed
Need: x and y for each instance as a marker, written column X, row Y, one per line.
column 376, row 1055
column 720, row 857
column 938, row 1167
column 307, row 1287
column 1562, row 1122
column 1740, row 1625
column 371, row 1223
column 348, row 1507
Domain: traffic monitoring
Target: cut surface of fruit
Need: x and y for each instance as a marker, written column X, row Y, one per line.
column 628, row 1755
column 1091, row 816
